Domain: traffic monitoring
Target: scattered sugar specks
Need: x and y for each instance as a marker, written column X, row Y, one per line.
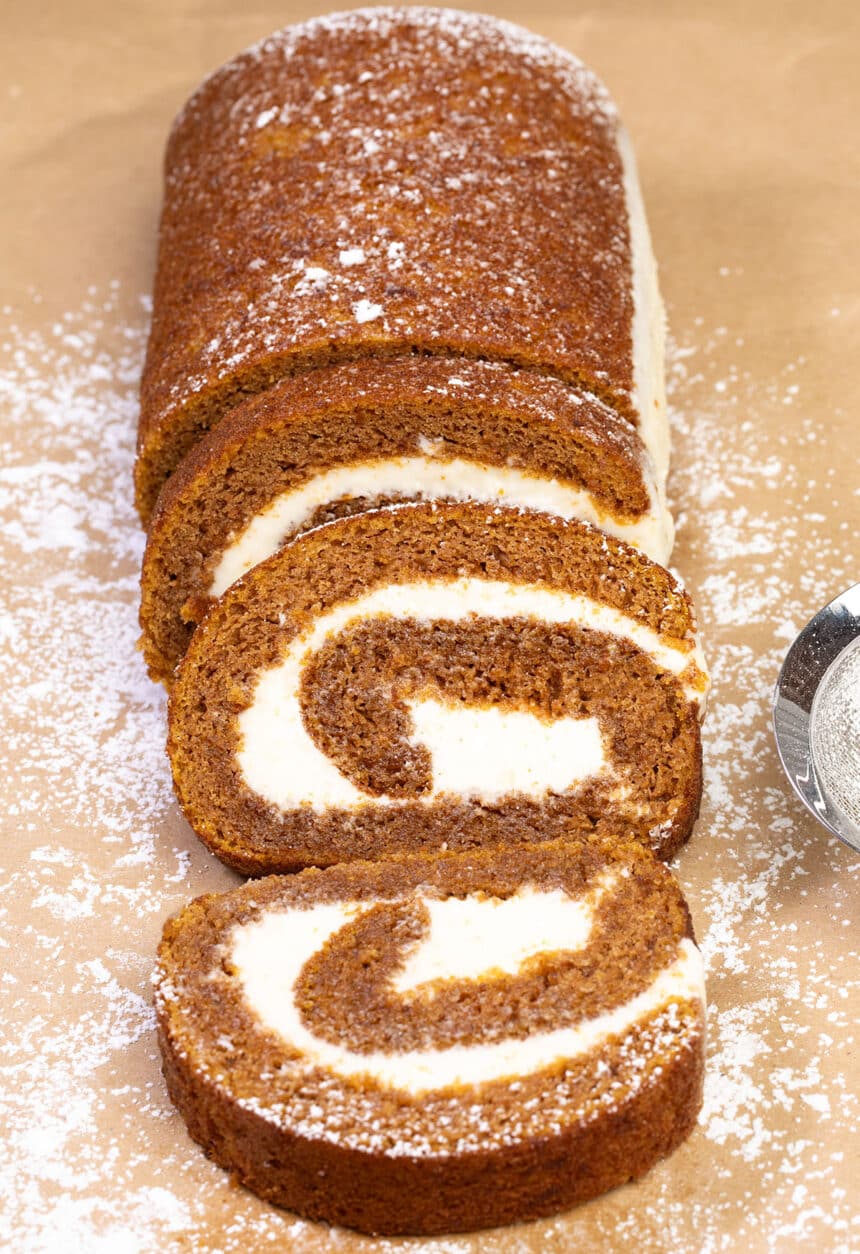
column 97, row 856
column 265, row 117
column 366, row 311
column 88, row 798
column 364, row 159
column 772, row 894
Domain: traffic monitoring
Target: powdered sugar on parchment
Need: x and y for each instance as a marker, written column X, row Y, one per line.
column 96, row 855
column 774, row 896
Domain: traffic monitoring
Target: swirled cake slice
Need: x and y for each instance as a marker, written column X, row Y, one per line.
column 438, row 1043
column 439, row 676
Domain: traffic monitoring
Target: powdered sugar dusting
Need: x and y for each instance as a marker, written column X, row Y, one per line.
column 835, row 733
column 774, row 897
column 98, row 856
column 422, row 154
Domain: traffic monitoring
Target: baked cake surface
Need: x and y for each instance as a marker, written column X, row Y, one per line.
column 397, row 180
column 348, row 437
column 439, row 676
column 438, row 1043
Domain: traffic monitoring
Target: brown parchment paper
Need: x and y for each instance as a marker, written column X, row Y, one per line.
column 744, row 117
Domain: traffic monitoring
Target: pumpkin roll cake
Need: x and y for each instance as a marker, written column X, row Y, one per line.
column 438, row 1043
column 389, row 182
column 427, row 676
column 349, row 437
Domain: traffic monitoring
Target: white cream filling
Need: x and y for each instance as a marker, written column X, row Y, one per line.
column 649, row 325
column 270, row 953
column 425, row 478
column 281, row 763
column 488, row 752
column 468, row 941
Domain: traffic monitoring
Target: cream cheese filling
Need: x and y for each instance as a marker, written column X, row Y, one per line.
column 649, row 324
column 468, row 940
column 270, row 953
column 280, row 762
column 426, row 478
column 488, row 752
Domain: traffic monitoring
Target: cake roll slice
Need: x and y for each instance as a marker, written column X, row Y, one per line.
column 438, row 1043
column 439, row 676
column 348, row 437
column 389, row 181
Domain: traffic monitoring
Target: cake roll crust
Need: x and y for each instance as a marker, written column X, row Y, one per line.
column 383, row 182
column 589, row 1052
column 386, row 420
column 381, row 671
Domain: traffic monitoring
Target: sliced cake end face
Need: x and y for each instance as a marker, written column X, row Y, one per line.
column 456, row 188
column 439, row 676
column 438, row 1043
column 355, row 436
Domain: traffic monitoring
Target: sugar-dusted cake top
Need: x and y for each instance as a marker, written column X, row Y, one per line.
column 386, row 181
